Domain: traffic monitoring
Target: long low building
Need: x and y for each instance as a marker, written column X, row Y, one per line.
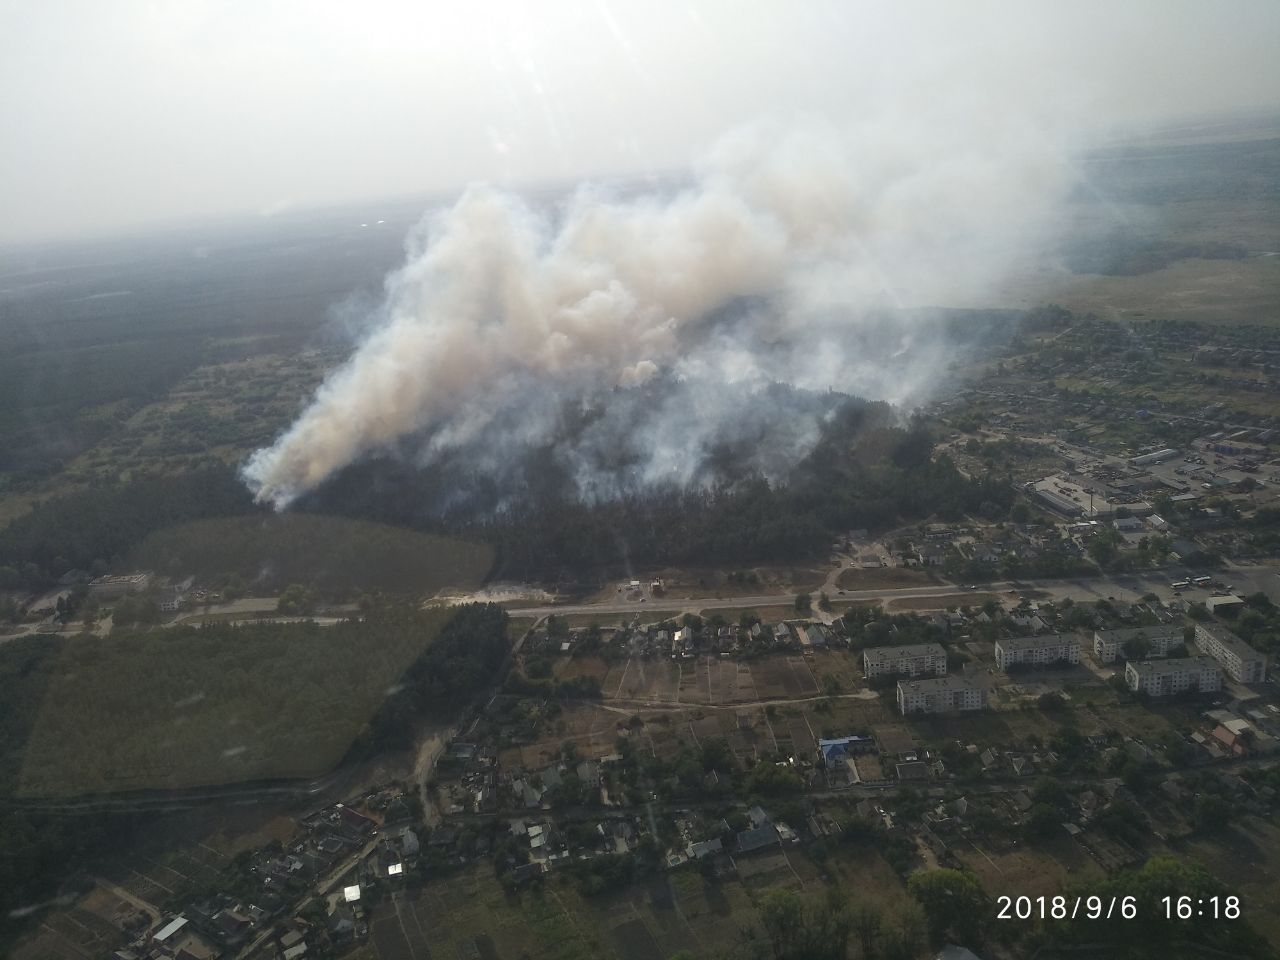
column 1052, row 648
column 1158, row 641
column 940, row 695
column 1241, row 662
column 112, row 587
column 1163, row 678
column 910, row 660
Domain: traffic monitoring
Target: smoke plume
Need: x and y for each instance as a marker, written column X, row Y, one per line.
column 797, row 255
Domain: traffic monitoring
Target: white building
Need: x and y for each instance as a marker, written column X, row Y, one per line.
column 1159, row 456
column 1162, row 678
column 911, row 660
column 111, row 587
column 1228, row 604
column 1109, row 644
column 940, row 695
column 1241, row 662
column 1037, row 650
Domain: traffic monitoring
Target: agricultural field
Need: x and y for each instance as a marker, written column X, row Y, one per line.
column 335, row 555
column 186, row 707
column 76, row 932
column 1246, row 858
column 1040, row 870
column 469, row 915
column 700, row 680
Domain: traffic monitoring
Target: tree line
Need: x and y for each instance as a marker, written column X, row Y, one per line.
column 92, row 530
column 443, row 678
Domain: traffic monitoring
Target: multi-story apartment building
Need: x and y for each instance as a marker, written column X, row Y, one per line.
column 1037, row 650
column 910, row 660
column 1109, row 644
column 940, row 695
column 1240, row 661
column 1162, row 678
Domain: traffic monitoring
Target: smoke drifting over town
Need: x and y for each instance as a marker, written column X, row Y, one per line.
column 795, row 257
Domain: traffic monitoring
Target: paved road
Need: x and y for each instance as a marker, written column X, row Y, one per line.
column 1125, row 587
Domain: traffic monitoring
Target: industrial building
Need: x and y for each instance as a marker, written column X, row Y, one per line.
column 1158, row 456
column 114, row 587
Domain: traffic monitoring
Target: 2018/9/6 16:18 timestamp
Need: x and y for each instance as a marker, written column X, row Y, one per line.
column 1105, row 908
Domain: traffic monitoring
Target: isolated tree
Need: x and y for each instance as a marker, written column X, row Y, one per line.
column 1136, row 648
column 1104, row 548
column 955, row 905
column 797, row 930
column 716, row 754
column 867, row 922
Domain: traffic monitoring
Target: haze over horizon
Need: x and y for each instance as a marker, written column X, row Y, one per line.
column 125, row 114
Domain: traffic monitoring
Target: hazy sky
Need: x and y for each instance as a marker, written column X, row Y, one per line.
column 115, row 113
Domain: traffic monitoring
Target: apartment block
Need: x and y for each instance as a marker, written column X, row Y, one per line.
column 1110, row 644
column 1037, row 650
column 1240, row 661
column 1163, row 678
column 940, row 695
column 911, row 660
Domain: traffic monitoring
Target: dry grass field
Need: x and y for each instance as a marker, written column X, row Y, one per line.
column 856, row 578
column 470, row 916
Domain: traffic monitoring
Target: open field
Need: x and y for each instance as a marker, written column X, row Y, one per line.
column 333, row 554
column 71, row 934
column 683, row 714
column 857, row 578
column 188, row 707
column 705, row 680
column 470, row 916
column 517, row 626
column 710, row 582
column 1246, row 858
column 1216, row 291
column 1092, row 710
column 1042, row 869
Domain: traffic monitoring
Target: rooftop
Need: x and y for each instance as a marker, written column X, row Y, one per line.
column 1230, row 641
column 1155, row 668
column 879, row 654
column 1035, row 643
column 938, row 684
column 170, row 928
column 1125, row 634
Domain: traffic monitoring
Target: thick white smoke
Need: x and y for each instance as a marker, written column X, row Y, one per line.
column 778, row 264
